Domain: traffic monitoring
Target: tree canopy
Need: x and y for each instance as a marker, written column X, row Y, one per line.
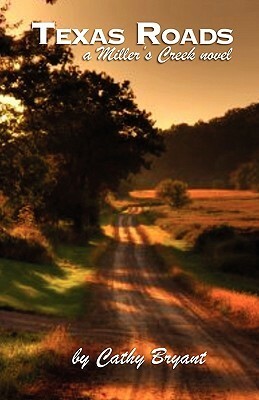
column 82, row 132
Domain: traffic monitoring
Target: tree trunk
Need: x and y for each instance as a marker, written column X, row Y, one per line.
column 93, row 214
column 78, row 221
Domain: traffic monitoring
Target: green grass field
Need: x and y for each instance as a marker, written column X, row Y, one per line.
column 59, row 289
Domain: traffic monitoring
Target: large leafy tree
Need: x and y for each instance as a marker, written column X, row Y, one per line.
column 6, row 39
column 25, row 174
column 102, row 133
column 86, row 122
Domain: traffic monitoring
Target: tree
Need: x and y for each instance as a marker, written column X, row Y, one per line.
column 101, row 135
column 246, row 176
column 173, row 192
column 207, row 152
column 89, row 125
column 25, row 175
column 26, row 167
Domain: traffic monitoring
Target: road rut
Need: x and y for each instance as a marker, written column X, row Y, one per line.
column 142, row 312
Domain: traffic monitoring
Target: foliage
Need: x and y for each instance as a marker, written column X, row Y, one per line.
column 25, row 174
column 56, row 289
column 212, row 236
column 82, row 133
column 173, row 192
column 246, row 176
column 29, row 358
column 22, row 249
column 207, row 152
column 6, row 212
column 229, row 250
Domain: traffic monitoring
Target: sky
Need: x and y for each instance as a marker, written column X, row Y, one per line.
column 174, row 92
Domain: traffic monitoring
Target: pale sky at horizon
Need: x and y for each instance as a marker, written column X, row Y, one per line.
column 174, row 92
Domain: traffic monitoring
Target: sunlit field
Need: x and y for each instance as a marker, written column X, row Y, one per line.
column 209, row 207
column 230, row 292
column 200, row 194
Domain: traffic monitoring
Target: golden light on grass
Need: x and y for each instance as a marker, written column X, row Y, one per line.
column 29, row 290
column 198, row 193
column 210, row 208
column 71, row 277
column 143, row 194
column 220, row 193
column 239, row 209
column 156, row 235
column 10, row 351
column 59, row 341
column 243, row 306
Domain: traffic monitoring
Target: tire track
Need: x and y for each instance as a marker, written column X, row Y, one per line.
column 150, row 315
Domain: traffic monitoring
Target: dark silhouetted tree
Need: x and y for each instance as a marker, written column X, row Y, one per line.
column 246, row 176
column 88, row 125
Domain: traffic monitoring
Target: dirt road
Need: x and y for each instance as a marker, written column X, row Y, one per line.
column 137, row 306
column 140, row 311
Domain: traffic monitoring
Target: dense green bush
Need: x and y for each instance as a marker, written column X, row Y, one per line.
column 22, row 249
column 241, row 264
column 246, row 176
column 212, row 236
column 230, row 251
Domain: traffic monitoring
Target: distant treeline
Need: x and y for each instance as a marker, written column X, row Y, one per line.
column 210, row 154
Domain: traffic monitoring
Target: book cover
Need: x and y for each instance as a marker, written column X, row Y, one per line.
column 129, row 212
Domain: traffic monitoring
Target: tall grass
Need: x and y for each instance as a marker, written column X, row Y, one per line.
column 204, row 277
column 29, row 361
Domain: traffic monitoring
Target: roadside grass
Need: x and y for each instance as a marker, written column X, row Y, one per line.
column 29, row 362
column 201, row 269
column 17, row 363
column 177, row 231
column 59, row 288
column 231, row 294
column 34, row 365
column 56, row 289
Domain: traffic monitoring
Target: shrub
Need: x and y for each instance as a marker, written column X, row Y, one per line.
column 237, row 245
column 241, row 264
column 246, row 176
column 173, row 192
column 21, row 249
column 230, row 251
column 6, row 212
column 212, row 236
column 237, row 255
